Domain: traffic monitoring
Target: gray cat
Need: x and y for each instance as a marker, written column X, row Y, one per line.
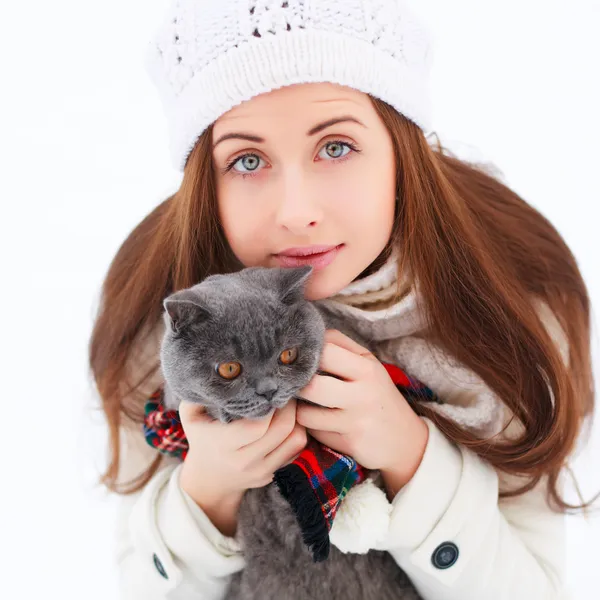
column 252, row 318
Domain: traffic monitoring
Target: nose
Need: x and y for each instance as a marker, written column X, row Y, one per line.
column 296, row 210
column 268, row 395
column 267, row 388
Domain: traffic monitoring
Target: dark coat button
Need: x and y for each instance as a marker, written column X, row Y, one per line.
column 159, row 566
column 445, row 555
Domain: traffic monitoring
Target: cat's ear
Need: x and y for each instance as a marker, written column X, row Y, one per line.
column 184, row 307
column 291, row 283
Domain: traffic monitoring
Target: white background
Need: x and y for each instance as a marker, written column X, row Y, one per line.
column 84, row 158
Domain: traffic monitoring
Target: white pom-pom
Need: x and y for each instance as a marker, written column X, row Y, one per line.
column 362, row 520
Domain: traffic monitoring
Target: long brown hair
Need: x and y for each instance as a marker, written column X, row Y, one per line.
column 480, row 254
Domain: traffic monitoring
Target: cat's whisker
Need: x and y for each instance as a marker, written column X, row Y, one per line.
column 242, row 403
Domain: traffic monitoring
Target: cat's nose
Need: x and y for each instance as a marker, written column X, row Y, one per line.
column 268, row 394
column 267, row 388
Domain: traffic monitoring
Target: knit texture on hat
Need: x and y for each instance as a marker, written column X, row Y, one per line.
column 208, row 56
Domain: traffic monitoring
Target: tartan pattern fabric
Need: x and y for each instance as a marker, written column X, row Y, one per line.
column 162, row 428
column 330, row 475
column 314, row 484
column 410, row 387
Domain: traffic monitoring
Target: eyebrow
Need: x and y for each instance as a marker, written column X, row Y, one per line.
column 313, row 131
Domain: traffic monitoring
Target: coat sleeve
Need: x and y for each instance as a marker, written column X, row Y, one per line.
column 166, row 547
column 457, row 540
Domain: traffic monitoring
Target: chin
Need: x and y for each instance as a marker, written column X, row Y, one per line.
column 319, row 290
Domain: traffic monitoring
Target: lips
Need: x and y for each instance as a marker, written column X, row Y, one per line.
column 318, row 261
column 306, row 250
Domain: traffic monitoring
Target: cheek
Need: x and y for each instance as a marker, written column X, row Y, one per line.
column 367, row 192
column 242, row 225
column 226, row 392
column 365, row 208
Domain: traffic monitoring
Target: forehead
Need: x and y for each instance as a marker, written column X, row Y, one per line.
column 297, row 104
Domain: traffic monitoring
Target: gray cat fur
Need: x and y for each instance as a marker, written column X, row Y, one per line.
column 251, row 317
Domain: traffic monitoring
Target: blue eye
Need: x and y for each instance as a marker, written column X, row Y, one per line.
column 251, row 162
column 339, row 146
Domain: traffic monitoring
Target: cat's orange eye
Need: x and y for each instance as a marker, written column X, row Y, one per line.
column 287, row 357
column 229, row 370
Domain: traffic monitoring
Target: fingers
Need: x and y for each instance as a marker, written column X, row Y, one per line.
column 256, row 438
column 243, row 432
column 231, row 435
column 334, row 440
column 322, row 419
column 280, row 428
column 344, row 357
column 324, row 390
column 288, row 450
column 190, row 413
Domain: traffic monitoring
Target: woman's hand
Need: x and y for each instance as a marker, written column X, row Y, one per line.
column 364, row 415
column 225, row 459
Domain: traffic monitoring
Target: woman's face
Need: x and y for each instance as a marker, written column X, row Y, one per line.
column 286, row 186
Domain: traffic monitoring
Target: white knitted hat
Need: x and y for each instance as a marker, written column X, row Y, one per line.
column 210, row 55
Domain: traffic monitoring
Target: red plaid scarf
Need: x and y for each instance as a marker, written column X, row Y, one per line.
column 314, row 484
